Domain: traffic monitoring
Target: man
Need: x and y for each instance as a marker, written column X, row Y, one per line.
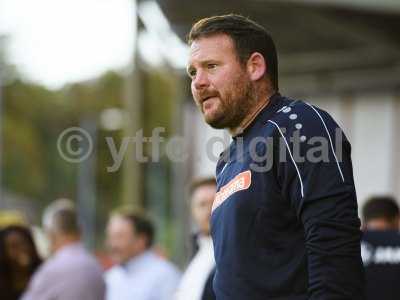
column 140, row 274
column 196, row 283
column 381, row 248
column 71, row 272
column 284, row 221
column 381, row 213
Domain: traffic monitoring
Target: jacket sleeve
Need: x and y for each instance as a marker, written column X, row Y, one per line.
column 314, row 170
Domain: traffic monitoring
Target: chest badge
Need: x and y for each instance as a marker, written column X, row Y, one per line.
column 242, row 181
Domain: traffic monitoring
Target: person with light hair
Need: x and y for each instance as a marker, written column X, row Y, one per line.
column 71, row 272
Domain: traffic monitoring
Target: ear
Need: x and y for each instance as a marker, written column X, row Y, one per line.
column 256, row 66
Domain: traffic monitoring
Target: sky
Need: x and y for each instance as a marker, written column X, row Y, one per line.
column 54, row 42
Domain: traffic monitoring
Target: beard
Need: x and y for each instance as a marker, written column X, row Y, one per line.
column 233, row 106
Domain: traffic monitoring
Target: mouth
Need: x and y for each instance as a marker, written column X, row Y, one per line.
column 208, row 103
column 206, row 98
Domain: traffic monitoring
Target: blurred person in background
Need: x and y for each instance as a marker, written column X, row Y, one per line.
column 18, row 217
column 381, row 213
column 71, row 272
column 196, row 283
column 380, row 248
column 139, row 273
column 19, row 259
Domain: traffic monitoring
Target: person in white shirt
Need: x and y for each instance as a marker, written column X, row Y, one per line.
column 139, row 273
column 196, row 282
column 71, row 272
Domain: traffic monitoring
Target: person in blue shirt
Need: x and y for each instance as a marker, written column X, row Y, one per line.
column 284, row 220
column 139, row 272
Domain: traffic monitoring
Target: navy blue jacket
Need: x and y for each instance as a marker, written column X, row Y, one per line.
column 381, row 256
column 284, row 221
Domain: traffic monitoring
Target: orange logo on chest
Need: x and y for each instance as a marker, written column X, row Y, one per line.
column 242, row 181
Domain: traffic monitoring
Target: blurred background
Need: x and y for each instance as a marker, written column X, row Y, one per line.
column 115, row 67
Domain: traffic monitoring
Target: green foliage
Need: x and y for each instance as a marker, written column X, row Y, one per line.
column 160, row 98
column 34, row 117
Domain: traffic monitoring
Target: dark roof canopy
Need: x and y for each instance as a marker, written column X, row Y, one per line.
column 309, row 36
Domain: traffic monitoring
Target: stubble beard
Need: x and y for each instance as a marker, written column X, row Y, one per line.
column 234, row 106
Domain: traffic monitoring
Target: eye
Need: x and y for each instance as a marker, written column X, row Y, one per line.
column 192, row 73
column 211, row 66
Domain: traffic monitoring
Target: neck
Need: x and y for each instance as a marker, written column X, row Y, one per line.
column 263, row 101
column 65, row 240
column 134, row 256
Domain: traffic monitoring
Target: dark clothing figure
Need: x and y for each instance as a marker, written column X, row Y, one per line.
column 208, row 293
column 18, row 261
column 381, row 256
column 284, row 222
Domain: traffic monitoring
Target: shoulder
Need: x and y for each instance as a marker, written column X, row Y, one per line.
column 162, row 270
column 112, row 274
column 79, row 259
column 164, row 266
column 43, row 279
column 46, row 270
column 303, row 117
column 90, row 261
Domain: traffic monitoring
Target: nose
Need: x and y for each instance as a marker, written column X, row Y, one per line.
column 201, row 80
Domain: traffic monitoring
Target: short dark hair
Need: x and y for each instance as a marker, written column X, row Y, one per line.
column 248, row 37
column 380, row 207
column 141, row 224
column 202, row 182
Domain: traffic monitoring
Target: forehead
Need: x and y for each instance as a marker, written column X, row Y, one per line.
column 118, row 224
column 15, row 237
column 216, row 46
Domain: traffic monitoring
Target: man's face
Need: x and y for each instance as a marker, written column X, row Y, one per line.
column 122, row 241
column 201, row 202
column 382, row 224
column 220, row 85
